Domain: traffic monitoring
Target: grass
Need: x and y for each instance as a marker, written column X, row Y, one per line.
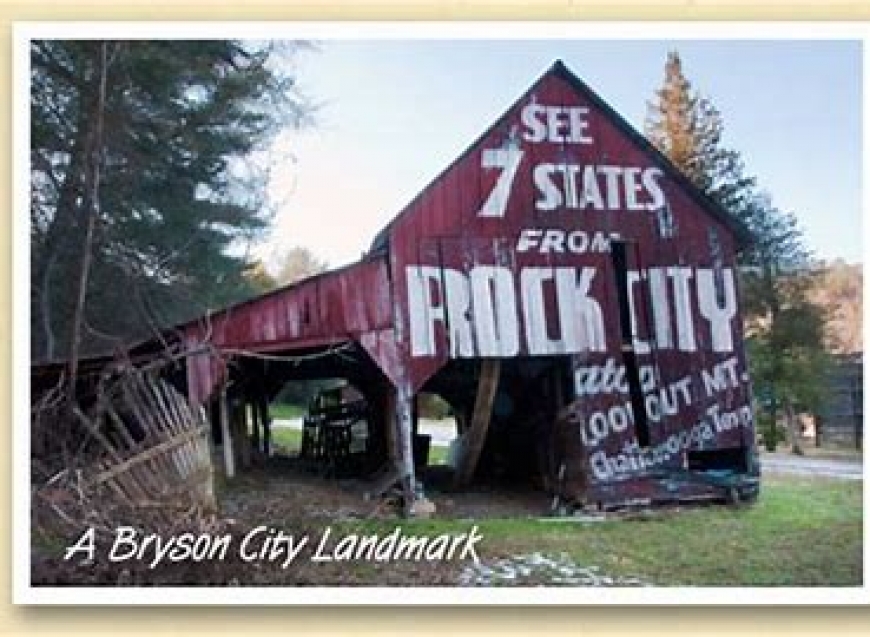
column 437, row 455
column 282, row 411
column 289, row 440
column 802, row 532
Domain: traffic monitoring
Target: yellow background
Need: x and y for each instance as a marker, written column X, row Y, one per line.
column 394, row 620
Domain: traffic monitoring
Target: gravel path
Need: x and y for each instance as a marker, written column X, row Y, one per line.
column 540, row 569
column 802, row 465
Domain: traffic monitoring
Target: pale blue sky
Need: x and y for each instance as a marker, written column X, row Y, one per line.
column 395, row 113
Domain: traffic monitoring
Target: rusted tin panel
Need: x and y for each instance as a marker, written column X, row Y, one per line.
column 338, row 304
column 331, row 308
column 525, row 268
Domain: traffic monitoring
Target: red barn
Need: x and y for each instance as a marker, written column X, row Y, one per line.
column 564, row 287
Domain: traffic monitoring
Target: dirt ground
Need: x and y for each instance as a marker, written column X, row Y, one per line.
column 311, row 496
column 281, row 496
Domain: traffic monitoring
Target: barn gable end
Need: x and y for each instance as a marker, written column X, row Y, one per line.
column 536, row 201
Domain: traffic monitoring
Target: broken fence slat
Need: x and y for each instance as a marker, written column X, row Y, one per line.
column 148, row 454
column 134, row 488
column 165, row 400
column 166, row 457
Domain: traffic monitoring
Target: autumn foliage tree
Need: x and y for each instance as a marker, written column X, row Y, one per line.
column 298, row 263
column 688, row 128
column 839, row 286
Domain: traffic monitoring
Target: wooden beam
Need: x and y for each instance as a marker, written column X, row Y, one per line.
column 266, row 422
column 487, row 384
column 244, row 441
column 404, row 445
column 252, row 416
column 229, row 461
column 390, row 423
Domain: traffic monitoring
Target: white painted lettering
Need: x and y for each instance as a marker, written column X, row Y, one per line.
column 719, row 317
column 536, row 129
column 550, row 195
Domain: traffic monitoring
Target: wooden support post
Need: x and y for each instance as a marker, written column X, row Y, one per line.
column 404, row 445
column 251, row 413
column 226, row 437
column 263, row 405
column 244, row 440
column 461, row 418
column 390, row 421
column 487, row 383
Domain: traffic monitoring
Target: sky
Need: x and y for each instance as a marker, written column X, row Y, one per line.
column 393, row 113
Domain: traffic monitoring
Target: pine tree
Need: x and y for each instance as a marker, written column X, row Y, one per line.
column 688, row 129
column 672, row 121
column 180, row 194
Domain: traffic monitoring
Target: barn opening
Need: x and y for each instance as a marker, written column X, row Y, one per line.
column 328, row 412
column 518, row 443
column 322, row 407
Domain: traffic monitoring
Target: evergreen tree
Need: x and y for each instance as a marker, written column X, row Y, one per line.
column 179, row 193
column 785, row 330
column 688, row 129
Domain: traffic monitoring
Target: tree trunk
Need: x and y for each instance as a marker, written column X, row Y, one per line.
column 64, row 236
column 92, row 209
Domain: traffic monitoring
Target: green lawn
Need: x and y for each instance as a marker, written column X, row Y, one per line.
column 802, row 532
column 285, row 411
column 289, row 440
column 437, row 455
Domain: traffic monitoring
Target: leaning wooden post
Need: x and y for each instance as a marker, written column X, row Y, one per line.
column 244, row 441
column 487, row 383
column 251, row 412
column 404, row 446
column 226, row 436
column 263, row 405
column 390, row 421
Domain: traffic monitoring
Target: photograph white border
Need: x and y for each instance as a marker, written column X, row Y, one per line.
column 24, row 32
